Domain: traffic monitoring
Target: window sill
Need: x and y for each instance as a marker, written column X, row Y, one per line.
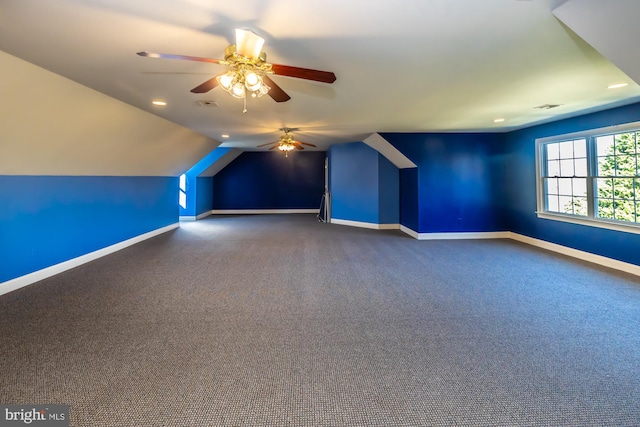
column 591, row 222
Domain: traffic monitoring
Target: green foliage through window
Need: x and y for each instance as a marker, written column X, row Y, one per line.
column 617, row 180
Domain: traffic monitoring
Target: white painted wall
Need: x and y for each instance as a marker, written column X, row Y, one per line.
column 50, row 125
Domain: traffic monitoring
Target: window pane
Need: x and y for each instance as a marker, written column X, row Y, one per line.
column 604, row 188
column 564, row 185
column 552, row 185
column 566, row 150
column 553, row 151
column 566, row 167
column 580, row 206
column 580, row 148
column 623, row 188
column 553, row 168
column 581, row 167
column 183, row 182
column 606, row 166
column 605, row 208
column 604, row 145
column 625, row 143
column 624, row 210
column 565, row 204
column 552, row 203
column 580, row 187
column 625, row 165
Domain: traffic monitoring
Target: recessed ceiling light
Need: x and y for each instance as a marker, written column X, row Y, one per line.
column 162, row 103
column 617, row 85
column 224, row 135
column 498, row 120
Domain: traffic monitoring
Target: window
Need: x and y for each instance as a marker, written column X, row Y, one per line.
column 565, row 177
column 591, row 177
column 182, row 197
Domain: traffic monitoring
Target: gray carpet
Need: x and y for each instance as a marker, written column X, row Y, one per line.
column 280, row 320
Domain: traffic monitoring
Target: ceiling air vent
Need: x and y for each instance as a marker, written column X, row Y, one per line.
column 547, row 106
column 207, row 103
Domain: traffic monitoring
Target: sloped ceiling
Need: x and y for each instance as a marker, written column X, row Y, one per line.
column 54, row 126
column 410, row 66
column 611, row 27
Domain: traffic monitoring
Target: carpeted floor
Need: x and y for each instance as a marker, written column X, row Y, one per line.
column 279, row 320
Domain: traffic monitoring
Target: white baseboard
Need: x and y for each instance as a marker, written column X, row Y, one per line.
column 410, row 232
column 195, row 218
column 575, row 253
column 369, row 225
column 28, row 279
column 463, row 235
column 455, row 235
column 262, row 211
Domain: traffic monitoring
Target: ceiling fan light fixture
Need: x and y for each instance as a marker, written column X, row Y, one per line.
column 254, row 83
column 264, row 89
column 237, row 90
column 248, row 43
column 249, row 67
column 287, row 143
column 239, row 82
column 226, row 80
column 252, row 80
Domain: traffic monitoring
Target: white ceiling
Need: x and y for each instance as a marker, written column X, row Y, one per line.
column 405, row 66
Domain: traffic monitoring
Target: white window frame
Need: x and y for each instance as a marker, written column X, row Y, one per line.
column 591, row 220
column 182, row 194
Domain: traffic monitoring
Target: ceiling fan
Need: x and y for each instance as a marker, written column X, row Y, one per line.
column 249, row 70
column 287, row 143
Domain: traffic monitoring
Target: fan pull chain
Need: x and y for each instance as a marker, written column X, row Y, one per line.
column 244, row 98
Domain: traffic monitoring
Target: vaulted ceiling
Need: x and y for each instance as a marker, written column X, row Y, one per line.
column 407, row 66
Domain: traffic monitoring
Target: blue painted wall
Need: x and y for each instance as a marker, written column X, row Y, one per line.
column 364, row 185
column 203, row 194
column 519, row 189
column 269, row 180
column 456, row 181
column 409, row 203
column 388, row 192
column 354, row 182
column 45, row 220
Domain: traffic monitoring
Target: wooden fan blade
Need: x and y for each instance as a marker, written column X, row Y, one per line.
column 264, row 145
column 206, row 86
column 183, row 57
column 304, row 73
column 276, row 91
column 274, row 147
column 305, row 143
column 298, row 147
